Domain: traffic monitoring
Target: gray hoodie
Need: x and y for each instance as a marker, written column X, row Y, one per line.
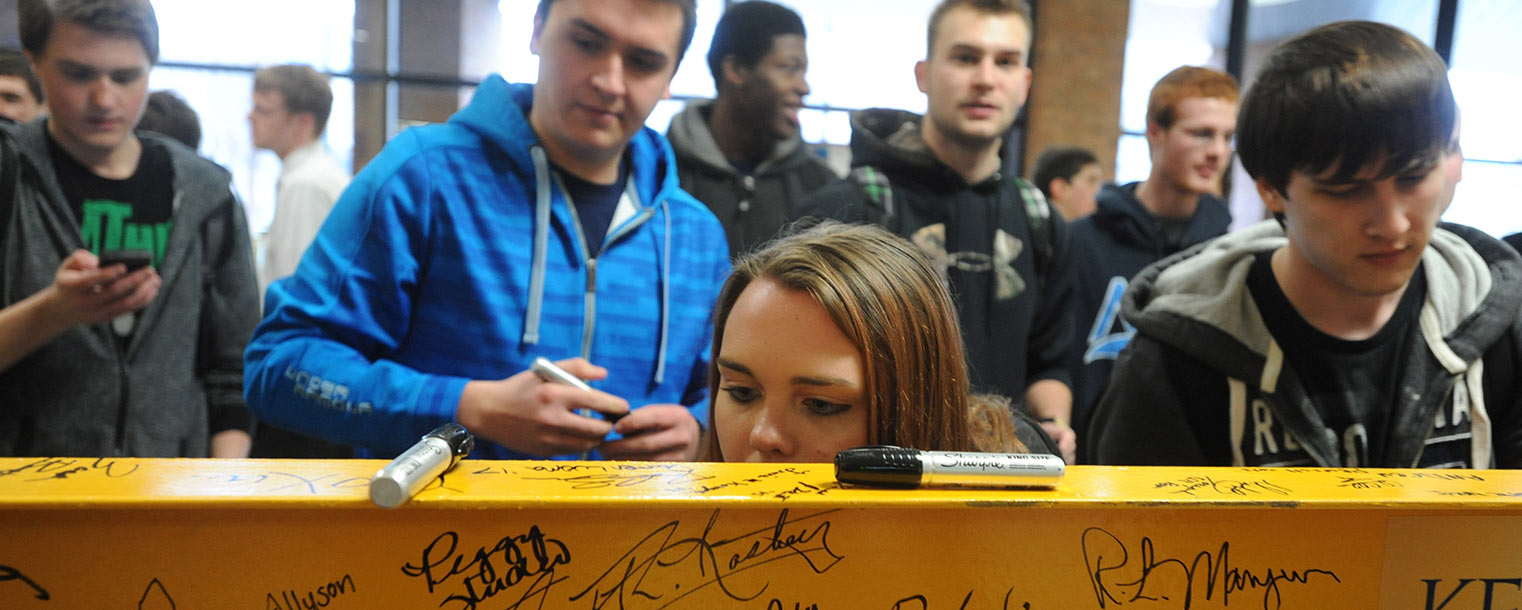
column 1204, row 382
column 752, row 207
column 179, row 377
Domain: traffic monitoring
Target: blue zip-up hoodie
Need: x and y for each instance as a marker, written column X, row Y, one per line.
column 454, row 256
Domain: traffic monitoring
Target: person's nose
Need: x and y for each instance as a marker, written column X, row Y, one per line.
column 608, row 79
column 102, row 92
column 769, row 436
column 1388, row 217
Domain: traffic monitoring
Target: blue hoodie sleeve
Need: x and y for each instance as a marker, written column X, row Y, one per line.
column 317, row 362
column 696, row 397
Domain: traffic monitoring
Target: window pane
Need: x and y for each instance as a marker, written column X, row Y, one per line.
column 1487, row 79
column 862, row 52
column 315, row 32
column 1486, row 199
column 1132, row 160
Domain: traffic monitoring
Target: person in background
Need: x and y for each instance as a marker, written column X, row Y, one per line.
column 168, row 114
column 1191, row 120
column 740, row 154
column 1353, row 330
column 840, row 336
column 290, row 111
column 937, row 181
column 142, row 363
column 1070, row 177
column 291, row 105
column 21, row 98
column 541, row 220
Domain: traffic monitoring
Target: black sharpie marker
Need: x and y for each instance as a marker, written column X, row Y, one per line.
column 889, row 466
column 431, row 457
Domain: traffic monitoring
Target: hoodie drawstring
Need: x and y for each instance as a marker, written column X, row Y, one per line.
column 665, row 280
column 541, row 244
column 1480, row 450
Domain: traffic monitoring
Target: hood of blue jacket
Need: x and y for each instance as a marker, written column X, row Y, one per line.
column 500, row 113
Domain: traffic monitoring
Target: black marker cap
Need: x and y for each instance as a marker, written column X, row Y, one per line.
column 459, row 439
column 879, row 466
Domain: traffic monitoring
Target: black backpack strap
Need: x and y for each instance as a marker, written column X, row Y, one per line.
column 878, row 193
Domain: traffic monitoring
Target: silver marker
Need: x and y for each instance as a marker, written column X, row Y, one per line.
column 431, row 457
column 889, row 466
column 551, row 373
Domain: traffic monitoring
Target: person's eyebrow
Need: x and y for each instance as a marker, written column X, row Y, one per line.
column 734, row 366
column 823, row 380
column 813, row 380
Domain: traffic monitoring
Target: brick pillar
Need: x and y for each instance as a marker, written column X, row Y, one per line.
column 1077, row 59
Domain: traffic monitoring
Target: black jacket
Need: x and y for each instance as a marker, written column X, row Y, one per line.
column 1109, row 247
column 1012, row 300
column 751, row 207
column 180, row 376
column 1204, row 382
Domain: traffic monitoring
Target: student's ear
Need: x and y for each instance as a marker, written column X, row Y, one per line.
column 734, row 73
column 1155, row 133
column 1059, row 188
column 1272, row 198
column 308, row 123
column 922, row 75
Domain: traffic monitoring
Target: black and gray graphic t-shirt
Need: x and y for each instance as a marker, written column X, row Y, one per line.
column 134, row 213
column 1352, row 383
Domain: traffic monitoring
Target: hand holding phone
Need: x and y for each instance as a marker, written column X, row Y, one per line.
column 133, row 259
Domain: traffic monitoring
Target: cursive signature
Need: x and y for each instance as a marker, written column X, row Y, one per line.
column 514, row 560
column 1194, row 485
column 53, row 469
column 1105, row 556
column 657, row 566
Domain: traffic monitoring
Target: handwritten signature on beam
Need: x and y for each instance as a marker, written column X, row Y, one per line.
column 663, row 569
column 1106, row 556
column 63, row 468
column 1194, row 485
column 512, row 561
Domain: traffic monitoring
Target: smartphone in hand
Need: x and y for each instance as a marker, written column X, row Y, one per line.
column 133, row 259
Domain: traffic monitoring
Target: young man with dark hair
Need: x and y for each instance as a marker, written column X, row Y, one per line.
column 20, row 92
column 740, row 154
column 1353, row 331
column 937, row 181
column 123, row 363
column 1070, row 178
column 168, row 114
column 541, row 220
column 1191, row 120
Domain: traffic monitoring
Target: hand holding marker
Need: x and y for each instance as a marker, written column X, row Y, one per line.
column 551, row 373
